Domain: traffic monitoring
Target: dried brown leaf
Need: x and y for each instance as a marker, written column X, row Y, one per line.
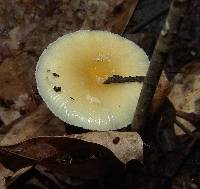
column 193, row 118
column 5, row 172
column 109, row 15
column 16, row 87
column 18, row 174
column 2, row 182
column 166, row 136
column 125, row 145
column 12, row 77
column 7, row 115
column 185, row 93
column 121, row 14
column 162, row 90
column 40, row 122
column 68, row 156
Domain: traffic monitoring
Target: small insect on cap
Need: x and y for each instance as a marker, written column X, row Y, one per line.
column 70, row 77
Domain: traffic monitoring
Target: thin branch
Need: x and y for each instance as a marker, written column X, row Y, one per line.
column 121, row 79
column 183, row 128
column 162, row 49
column 193, row 118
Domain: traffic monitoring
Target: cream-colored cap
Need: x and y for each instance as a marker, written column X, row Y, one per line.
column 70, row 75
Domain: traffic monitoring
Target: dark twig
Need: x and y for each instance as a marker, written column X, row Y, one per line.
column 193, row 118
column 162, row 49
column 182, row 127
column 121, row 79
column 149, row 20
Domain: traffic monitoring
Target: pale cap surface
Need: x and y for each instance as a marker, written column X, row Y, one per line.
column 70, row 75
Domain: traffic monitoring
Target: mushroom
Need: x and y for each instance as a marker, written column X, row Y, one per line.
column 70, row 77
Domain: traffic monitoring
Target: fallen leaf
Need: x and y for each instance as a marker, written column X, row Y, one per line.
column 5, row 172
column 7, row 116
column 4, row 51
column 11, row 85
column 193, row 118
column 18, row 35
column 125, row 145
column 109, row 15
column 162, row 91
column 18, row 174
column 40, row 122
column 165, row 134
column 56, row 178
column 185, row 93
column 121, row 14
column 16, row 89
column 2, row 182
column 68, row 156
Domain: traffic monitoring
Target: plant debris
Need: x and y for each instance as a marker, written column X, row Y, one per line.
column 92, row 160
column 56, row 75
column 116, row 140
column 6, row 103
column 57, row 89
column 71, row 98
column 121, row 79
column 185, row 96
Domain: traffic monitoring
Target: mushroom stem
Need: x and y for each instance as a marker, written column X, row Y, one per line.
column 121, row 79
column 162, row 49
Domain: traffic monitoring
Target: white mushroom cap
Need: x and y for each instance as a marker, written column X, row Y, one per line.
column 70, row 75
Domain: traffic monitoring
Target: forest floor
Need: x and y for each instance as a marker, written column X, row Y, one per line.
column 171, row 156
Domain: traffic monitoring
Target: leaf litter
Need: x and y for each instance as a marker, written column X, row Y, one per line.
column 26, row 30
column 25, row 34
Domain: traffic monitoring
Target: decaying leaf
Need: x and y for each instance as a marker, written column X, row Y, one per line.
column 16, row 79
column 7, row 116
column 109, row 15
column 18, row 174
column 68, row 156
column 76, row 154
column 5, row 172
column 185, row 94
column 2, row 182
column 125, row 145
column 193, row 118
column 121, row 14
column 40, row 122
column 23, row 42
column 165, row 131
column 16, row 95
column 162, row 90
